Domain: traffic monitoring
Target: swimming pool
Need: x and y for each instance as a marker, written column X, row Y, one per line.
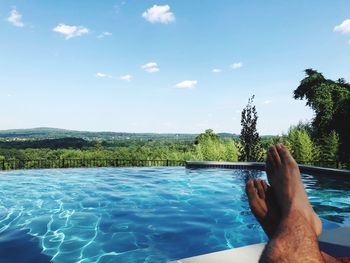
column 139, row 214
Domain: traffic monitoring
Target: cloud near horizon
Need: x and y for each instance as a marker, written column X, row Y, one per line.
column 159, row 14
column 186, row 84
column 216, row 70
column 150, row 67
column 70, row 31
column 15, row 18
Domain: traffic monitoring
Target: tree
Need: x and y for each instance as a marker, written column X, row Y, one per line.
column 301, row 145
column 330, row 101
column 329, row 148
column 208, row 134
column 231, row 153
column 251, row 149
column 210, row 147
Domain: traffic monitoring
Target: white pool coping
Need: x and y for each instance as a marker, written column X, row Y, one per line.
column 247, row 254
column 335, row 242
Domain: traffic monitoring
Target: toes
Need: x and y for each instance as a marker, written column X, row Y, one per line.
column 270, row 166
column 250, row 190
column 274, row 155
column 260, row 188
column 284, row 153
column 264, row 185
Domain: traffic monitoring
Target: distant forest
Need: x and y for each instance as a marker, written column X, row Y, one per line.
column 323, row 141
column 54, row 133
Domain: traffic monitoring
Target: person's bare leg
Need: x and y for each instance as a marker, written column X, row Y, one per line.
column 264, row 207
column 295, row 239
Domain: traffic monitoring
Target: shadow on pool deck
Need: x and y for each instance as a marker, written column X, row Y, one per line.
column 18, row 246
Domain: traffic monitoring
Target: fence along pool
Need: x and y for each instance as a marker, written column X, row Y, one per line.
column 14, row 164
column 77, row 163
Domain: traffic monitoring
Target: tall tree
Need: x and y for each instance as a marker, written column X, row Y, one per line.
column 329, row 148
column 251, row 149
column 301, row 145
column 330, row 101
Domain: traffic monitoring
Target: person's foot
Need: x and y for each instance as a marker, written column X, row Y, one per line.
column 263, row 205
column 284, row 177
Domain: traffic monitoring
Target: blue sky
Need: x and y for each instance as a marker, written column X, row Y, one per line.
column 165, row 66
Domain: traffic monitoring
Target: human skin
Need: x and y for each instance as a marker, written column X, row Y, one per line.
column 284, row 212
column 264, row 206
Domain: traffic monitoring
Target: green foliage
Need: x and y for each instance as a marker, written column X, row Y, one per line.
column 325, row 139
column 61, row 143
column 108, row 139
column 301, row 145
column 231, row 151
column 330, row 101
column 305, row 150
column 207, row 135
column 329, row 146
column 250, row 149
column 210, row 147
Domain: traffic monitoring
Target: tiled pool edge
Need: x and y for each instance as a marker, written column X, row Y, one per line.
column 312, row 170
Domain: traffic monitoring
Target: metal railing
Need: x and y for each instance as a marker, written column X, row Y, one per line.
column 14, row 164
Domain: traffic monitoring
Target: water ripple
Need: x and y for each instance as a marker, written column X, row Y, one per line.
column 139, row 214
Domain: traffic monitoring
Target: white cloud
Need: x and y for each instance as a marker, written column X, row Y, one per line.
column 159, row 14
column 104, row 34
column 186, row 84
column 15, row 18
column 102, row 75
column 267, row 102
column 216, row 70
column 151, row 67
column 126, row 77
column 70, row 31
column 344, row 27
column 236, row 65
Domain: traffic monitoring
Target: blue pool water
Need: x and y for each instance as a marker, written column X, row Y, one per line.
column 138, row 214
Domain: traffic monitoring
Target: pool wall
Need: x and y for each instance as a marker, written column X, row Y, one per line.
column 313, row 170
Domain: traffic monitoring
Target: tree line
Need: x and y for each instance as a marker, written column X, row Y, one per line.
column 323, row 141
